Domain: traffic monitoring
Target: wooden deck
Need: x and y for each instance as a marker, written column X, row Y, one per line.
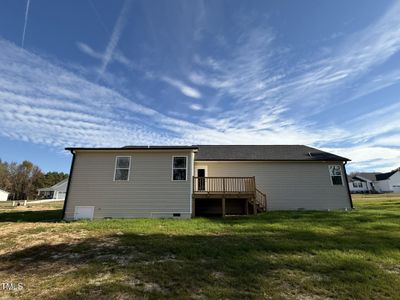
column 224, row 188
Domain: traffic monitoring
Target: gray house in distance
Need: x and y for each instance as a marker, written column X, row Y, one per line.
column 187, row 181
column 57, row 191
column 373, row 182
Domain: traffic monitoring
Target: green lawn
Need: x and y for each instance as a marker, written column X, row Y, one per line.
column 276, row 255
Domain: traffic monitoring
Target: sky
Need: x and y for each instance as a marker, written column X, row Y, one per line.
column 98, row 73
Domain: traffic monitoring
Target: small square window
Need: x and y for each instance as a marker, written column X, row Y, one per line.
column 121, row 174
column 123, row 162
column 180, row 162
column 179, row 174
column 337, row 180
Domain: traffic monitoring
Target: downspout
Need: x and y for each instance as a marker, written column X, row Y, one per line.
column 347, row 185
column 69, row 183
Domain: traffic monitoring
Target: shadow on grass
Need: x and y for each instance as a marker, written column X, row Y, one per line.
column 31, row 216
column 339, row 265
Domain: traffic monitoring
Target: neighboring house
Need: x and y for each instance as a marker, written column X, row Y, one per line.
column 3, row 195
column 362, row 182
column 57, row 191
column 186, row 181
column 375, row 182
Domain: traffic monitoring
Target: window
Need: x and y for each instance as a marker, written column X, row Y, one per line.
column 355, row 184
column 360, row 184
column 122, row 167
column 336, row 174
column 179, row 167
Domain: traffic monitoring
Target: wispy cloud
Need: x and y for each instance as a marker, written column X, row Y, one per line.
column 196, row 107
column 98, row 16
column 115, row 36
column 256, row 92
column 117, row 55
column 25, row 22
column 45, row 103
column 183, row 88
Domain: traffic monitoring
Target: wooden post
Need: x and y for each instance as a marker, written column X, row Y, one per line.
column 254, row 206
column 223, row 207
column 246, row 209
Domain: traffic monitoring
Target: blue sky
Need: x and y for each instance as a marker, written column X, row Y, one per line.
column 111, row 73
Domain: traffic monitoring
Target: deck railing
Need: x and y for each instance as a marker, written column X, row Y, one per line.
column 261, row 200
column 224, row 185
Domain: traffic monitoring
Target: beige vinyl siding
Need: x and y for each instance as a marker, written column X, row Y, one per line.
column 289, row 185
column 150, row 191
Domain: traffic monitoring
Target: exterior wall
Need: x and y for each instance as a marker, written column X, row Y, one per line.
column 363, row 189
column 3, row 195
column 382, row 186
column 395, row 182
column 289, row 185
column 149, row 192
column 60, row 190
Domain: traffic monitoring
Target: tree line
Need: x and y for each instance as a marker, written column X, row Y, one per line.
column 22, row 180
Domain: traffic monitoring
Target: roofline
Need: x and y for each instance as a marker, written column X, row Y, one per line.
column 281, row 160
column 363, row 178
column 127, row 148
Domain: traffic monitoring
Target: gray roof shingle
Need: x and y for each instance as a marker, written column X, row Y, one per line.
column 384, row 176
column 264, row 152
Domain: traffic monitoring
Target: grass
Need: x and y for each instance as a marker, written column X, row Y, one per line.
column 276, row 255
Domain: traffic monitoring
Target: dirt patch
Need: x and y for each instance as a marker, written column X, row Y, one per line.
column 146, row 286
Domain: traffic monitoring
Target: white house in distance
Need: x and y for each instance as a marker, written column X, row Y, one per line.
column 3, row 195
column 57, row 191
column 375, row 182
column 187, row 181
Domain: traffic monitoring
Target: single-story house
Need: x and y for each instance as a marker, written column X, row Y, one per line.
column 57, row 191
column 187, row 181
column 3, row 195
column 372, row 182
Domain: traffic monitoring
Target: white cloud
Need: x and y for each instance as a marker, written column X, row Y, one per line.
column 183, row 88
column 45, row 103
column 196, row 107
column 117, row 55
column 25, row 22
column 115, row 36
column 370, row 158
column 255, row 101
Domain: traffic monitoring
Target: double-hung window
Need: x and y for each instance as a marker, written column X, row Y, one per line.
column 179, row 168
column 122, row 168
column 335, row 172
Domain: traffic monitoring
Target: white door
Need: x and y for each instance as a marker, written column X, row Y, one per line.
column 84, row 212
column 201, row 173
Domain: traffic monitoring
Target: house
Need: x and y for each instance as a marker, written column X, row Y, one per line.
column 362, row 182
column 56, row 191
column 3, row 195
column 186, row 181
column 375, row 182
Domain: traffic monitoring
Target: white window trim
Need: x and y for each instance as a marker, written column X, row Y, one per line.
column 172, row 168
column 129, row 169
column 341, row 175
